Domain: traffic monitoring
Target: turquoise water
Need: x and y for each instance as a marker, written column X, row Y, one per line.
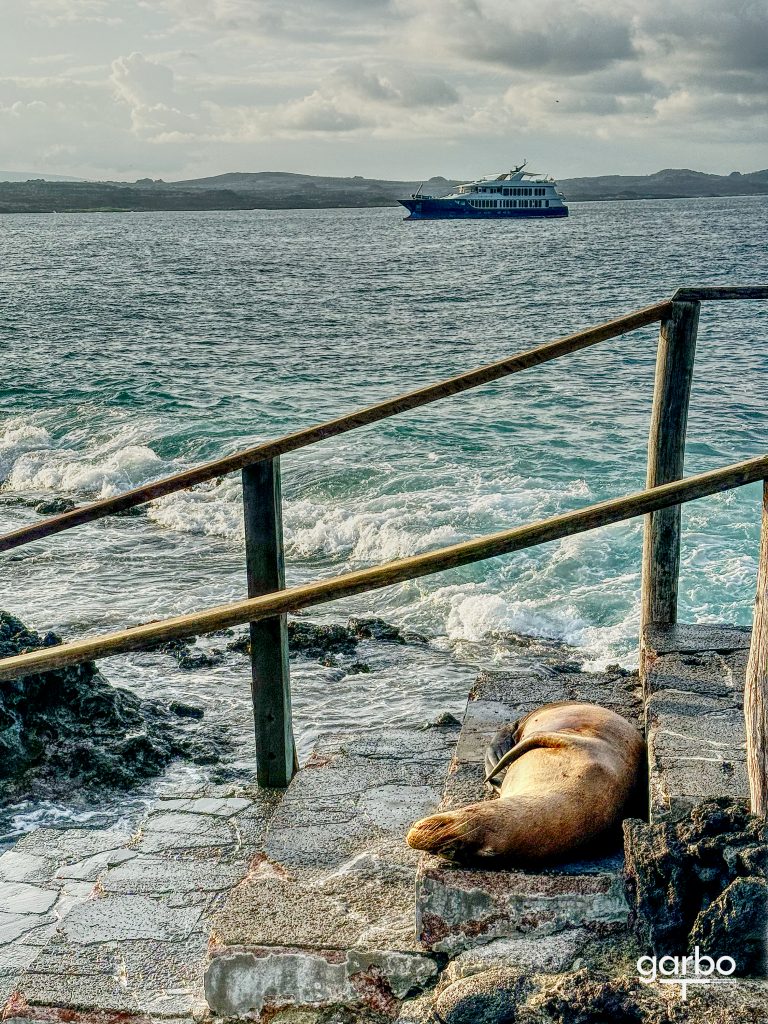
column 135, row 345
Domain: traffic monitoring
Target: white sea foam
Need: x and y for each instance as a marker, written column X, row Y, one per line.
column 19, row 436
column 215, row 510
column 314, row 530
column 72, row 471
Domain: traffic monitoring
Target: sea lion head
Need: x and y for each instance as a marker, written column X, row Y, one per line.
column 473, row 831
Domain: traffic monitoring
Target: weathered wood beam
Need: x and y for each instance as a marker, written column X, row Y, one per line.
column 666, row 455
column 756, row 687
column 270, row 678
column 332, row 428
column 717, row 294
column 294, row 598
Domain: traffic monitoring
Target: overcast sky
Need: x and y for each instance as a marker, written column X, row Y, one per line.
column 383, row 88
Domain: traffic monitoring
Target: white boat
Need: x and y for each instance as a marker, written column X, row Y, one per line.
column 513, row 194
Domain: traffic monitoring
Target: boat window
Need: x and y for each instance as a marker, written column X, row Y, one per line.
column 546, row 202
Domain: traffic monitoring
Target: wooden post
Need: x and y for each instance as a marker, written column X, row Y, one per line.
column 666, row 453
column 756, row 688
column 271, row 689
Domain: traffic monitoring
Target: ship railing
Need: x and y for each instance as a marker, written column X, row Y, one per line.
column 269, row 600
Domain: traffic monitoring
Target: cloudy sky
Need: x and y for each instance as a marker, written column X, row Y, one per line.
column 383, row 88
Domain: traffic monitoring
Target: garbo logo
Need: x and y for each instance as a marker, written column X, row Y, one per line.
column 685, row 970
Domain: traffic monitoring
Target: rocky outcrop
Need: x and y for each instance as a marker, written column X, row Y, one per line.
column 325, row 643
column 600, row 988
column 701, row 881
column 70, row 729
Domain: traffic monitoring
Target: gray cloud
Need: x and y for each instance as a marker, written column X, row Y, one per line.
column 401, row 87
column 560, row 38
column 729, row 36
column 187, row 84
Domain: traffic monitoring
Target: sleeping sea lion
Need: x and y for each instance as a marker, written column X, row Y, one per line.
column 571, row 769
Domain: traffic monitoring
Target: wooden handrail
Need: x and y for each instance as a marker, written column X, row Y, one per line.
column 413, row 567
column 331, row 428
column 718, row 293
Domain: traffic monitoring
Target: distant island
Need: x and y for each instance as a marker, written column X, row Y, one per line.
column 280, row 190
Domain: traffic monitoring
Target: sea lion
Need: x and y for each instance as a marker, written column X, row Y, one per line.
column 571, row 770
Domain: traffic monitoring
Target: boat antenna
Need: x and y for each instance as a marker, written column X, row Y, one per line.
column 518, row 168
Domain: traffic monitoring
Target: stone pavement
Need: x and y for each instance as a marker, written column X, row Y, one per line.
column 693, row 678
column 326, row 915
column 99, row 921
column 458, row 909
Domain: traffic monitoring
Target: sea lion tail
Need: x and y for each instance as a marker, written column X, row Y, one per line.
column 440, row 832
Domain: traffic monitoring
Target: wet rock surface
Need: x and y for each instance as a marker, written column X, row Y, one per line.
column 325, row 643
column 70, row 728
column 54, row 506
column 701, row 881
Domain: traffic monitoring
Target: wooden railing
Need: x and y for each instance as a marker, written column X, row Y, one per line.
column 268, row 601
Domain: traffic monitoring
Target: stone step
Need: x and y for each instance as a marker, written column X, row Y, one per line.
column 458, row 908
column 693, row 678
column 325, row 914
column 107, row 922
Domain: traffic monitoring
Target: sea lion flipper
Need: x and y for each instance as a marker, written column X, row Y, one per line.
column 536, row 741
column 503, row 741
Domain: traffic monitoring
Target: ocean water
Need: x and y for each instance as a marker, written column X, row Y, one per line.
column 136, row 345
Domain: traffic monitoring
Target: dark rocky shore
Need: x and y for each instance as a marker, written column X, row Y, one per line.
column 70, row 730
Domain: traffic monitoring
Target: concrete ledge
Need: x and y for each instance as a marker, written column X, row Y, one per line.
column 241, row 981
column 682, row 638
column 693, row 677
column 459, row 909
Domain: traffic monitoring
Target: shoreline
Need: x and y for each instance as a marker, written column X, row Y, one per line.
column 224, row 204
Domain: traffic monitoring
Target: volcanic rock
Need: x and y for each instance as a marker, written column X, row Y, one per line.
column 701, row 881
column 69, row 729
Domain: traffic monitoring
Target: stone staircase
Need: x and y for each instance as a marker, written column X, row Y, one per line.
column 230, row 901
column 325, row 916
column 459, row 909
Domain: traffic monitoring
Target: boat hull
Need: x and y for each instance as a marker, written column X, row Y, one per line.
column 448, row 209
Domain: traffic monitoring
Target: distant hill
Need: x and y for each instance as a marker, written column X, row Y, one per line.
column 671, row 183
column 274, row 190
column 35, row 176
column 283, row 183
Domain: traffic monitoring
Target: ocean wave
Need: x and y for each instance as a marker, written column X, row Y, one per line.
column 20, row 436
column 213, row 510
column 314, row 530
column 91, row 454
column 71, row 471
